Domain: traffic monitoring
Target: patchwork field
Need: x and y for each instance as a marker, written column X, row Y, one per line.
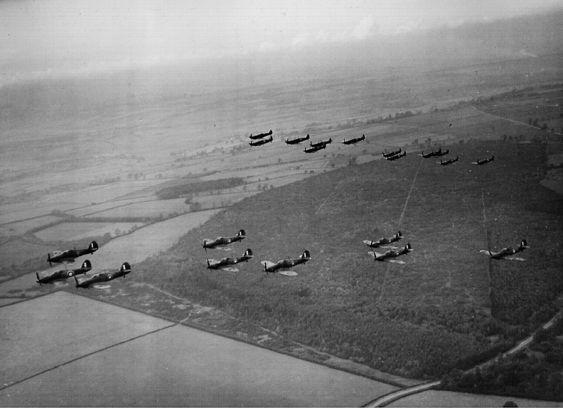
column 50, row 357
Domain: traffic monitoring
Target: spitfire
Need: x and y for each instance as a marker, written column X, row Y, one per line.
column 354, row 140
column 260, row 135
column 388, row 256
column 64, row 274
column 484, row 161
column 223, row 241
column 261, row 142
column 506, row 253
column 224, row 263
column 384, row 241
column 104, row 276
column 283, row 265
column 297, row 140
column 70, row 255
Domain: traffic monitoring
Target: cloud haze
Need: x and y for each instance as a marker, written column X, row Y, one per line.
column 38, row 37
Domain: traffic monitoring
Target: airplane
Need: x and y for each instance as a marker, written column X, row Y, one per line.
column 383, row 241
column 260, row 135
column 297, row 140
column 397, row 156
column 393, row 153
column 313, row 149
column 449, row 161
column 261, row 141
column 354, row 140
column 321, row 143
column 69, row 255
column 484, row 161
column 222, row 241
column 104, row 276
column 388, row 256
column 225, row 262
column 506, row 253
column 433, row 153
column 283, row 264
column 64, row 274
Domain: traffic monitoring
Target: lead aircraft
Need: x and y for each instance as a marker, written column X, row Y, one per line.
column 64, row 274
column 70, row 255
column 283, row 265
column 224, row 263
column 104, row 276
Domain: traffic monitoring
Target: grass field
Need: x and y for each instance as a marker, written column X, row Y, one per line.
column 102, row 355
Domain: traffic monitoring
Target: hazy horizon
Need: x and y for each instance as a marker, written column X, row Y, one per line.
column 51, row 38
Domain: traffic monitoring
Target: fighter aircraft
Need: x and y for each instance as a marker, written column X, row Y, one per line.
column 69, row 255
column 222, row 241
column 433, row 153
column 388, row 256
column 104, row 276
column 260, row 135
column 484, row 161
column 64, row 274
column 449, row 161
column 392, row 153
column 383, row 241
column 313, row 149
column 506, row 253
column 396, row 156
column 297, row 140
column 260, row 142
column 225, row 262
column 282, row 265
column 321, row 143
column 354, row 140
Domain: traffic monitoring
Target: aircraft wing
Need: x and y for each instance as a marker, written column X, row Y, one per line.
column 288, row 273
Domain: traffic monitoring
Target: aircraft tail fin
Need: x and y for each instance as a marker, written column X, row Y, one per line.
column 408, row 246
column 524, row 244
column 93, row 247
column 86, row 265
column 248, row 252
column 241, row 233
column 125, row 267
column 306, row 254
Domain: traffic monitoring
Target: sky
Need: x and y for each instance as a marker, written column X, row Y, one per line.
column 41, row 37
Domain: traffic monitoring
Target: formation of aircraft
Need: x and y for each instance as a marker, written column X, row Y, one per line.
column 388, row 256
column 224, row 263
column 261, row 142
column 297, row 140
column 448, row 161
column 223, row 241
column 434, row 153
column 354, row 140
column 64, row 274
column 384, row 241
column 103, row 276
column 70, row 255
column 506, row 253
column 484, row 161
column 260, row 135
column 283, row 265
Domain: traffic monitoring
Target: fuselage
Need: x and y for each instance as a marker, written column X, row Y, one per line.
column 297, row 140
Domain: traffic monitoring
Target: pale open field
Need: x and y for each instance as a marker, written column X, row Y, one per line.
column 20, row 228
column 89, row 353
column 152, row 209
column 71, row 231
